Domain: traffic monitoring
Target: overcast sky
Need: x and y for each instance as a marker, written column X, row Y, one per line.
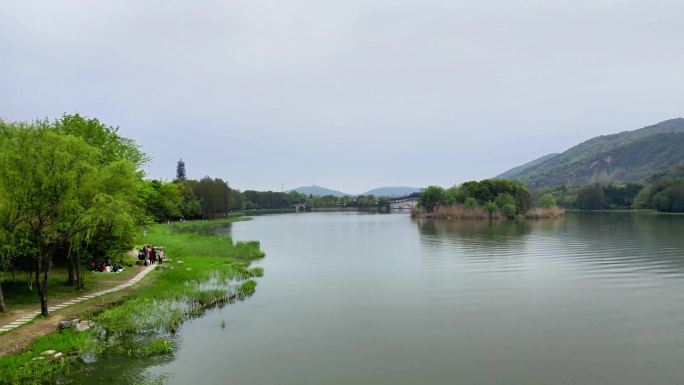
column 349, row 94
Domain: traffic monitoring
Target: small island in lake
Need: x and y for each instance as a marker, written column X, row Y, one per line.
column 486, row 199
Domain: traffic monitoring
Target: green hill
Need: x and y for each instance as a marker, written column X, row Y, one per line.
column 319, row 191
column 514, row 172
column 625, row 157
column 392, row 191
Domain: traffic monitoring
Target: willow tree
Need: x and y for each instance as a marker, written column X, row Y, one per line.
column 56, row 189
column 431, row 197
column 103, row 218
column 117, row 154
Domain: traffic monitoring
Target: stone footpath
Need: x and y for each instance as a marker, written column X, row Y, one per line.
column 28, row 317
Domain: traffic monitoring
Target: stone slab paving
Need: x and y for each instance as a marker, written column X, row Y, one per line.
column 28, row 317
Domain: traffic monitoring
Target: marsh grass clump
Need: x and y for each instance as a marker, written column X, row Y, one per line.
column 256, row 272
column 157, row 347
column 247, row 289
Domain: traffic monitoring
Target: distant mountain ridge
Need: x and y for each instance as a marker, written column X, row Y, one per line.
column 319, row 191
column 628, row 156
column 398, row 191
column 394, row 191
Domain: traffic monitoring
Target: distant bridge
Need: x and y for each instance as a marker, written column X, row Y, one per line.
column 300, row 207
column 407, row 202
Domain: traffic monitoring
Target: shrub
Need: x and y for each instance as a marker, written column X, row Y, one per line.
column 546, row 201
column 470, row 202
column 509, row 210
column 591, row 197
column 431, row 197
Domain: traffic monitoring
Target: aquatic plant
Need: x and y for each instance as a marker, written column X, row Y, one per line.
column 155, row 348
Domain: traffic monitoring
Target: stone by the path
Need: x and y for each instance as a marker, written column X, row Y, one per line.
column 83, row 325
column 59, row 355
column 49, row 352
column 68, row 324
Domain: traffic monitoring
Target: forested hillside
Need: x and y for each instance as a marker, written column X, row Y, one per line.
column 625, row 157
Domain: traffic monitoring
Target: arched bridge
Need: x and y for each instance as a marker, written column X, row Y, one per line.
column 407, row 202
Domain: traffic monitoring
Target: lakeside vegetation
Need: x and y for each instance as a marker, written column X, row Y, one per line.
column 73, row 191
column 209, row 198
column 204, row 271
column 501, row 198
column 486, row 199
column 269, row 200
column 663, row 195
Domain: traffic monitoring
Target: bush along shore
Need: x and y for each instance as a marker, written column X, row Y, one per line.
column 204, row 271
column 486, row 199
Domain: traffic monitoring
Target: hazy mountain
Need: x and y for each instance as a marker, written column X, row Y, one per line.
column 514, row 172
column 392, row 191
column 319, row 191
column 627, row 156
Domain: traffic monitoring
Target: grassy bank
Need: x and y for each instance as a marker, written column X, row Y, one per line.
column 204, row 271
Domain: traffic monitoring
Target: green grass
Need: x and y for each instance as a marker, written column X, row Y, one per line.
column 155, row 348
column 256, row 272
column 32, row 367
column 205, row 226
column 205, row 270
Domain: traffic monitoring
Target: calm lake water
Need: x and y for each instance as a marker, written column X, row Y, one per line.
column 352, row 298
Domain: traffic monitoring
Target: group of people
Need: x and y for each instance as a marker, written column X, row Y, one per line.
column 151, row 255
column 106, row 266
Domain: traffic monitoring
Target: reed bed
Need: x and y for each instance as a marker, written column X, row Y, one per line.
column 461, row 212
column 545, row 212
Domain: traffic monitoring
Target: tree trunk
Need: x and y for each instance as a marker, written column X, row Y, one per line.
column 70, row 268
column 79, row 272
column 2, row 300
column 41, row 283
column 29, row 280
column 41, row 291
